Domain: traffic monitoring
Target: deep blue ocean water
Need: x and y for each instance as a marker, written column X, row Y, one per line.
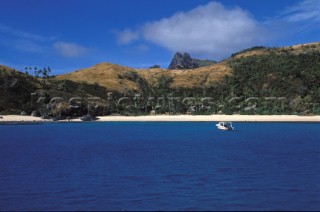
column 159, row 166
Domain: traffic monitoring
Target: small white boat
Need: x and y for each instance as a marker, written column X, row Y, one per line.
column 225, row 126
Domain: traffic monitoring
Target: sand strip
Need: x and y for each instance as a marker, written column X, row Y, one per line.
column 165, row 118
column 216, row 118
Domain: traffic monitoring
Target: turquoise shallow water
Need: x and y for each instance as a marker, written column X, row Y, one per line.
column 159, row 166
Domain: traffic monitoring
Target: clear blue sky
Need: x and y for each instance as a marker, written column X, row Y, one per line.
column 71, row 34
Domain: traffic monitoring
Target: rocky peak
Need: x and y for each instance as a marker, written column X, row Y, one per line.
column 182, row 61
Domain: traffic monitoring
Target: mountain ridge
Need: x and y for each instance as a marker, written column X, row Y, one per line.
column 287, row 73
column 111, row 75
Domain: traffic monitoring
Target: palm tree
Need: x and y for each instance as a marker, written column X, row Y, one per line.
column 93, row 104
column 54, row 105
column 190, row 102
column 123, row 103
column 207, row 103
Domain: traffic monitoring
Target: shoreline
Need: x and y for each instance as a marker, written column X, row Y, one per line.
column 172, row 118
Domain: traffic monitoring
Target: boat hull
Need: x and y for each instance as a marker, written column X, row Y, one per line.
column 226, row 128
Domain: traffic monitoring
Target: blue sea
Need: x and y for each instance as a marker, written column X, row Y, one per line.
column 159, row 166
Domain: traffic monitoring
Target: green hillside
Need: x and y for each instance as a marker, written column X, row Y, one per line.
column 284, row 83
column 21, row 92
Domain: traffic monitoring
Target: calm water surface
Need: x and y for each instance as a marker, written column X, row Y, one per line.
column 159, row 166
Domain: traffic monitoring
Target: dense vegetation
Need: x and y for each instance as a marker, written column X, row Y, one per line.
column 15, row 89
column 278, row 82
column 24, row 93
column 289, row 81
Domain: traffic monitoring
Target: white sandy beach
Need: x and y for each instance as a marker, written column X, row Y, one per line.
column 195, row 118
column 19, row 118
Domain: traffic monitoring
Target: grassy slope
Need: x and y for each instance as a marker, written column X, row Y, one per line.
column 191, row 78
column 295, row 49
column 112, row 77
column 104, row 74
